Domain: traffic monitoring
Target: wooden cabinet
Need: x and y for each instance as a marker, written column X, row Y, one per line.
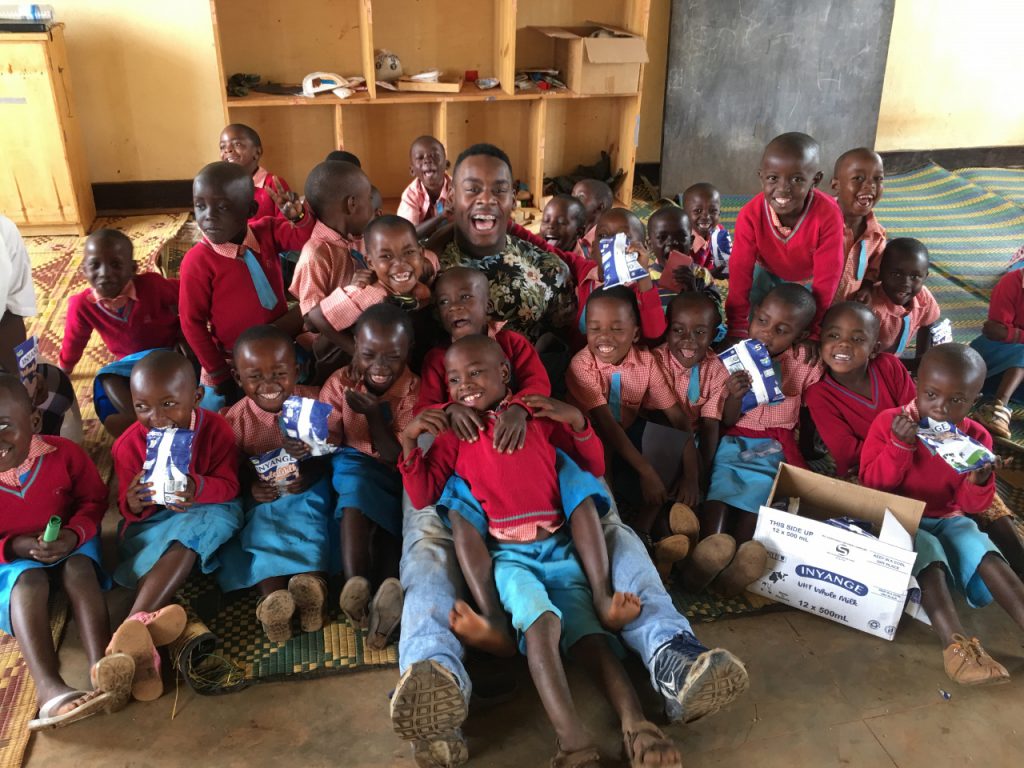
column 44, row 179
column 544, row 134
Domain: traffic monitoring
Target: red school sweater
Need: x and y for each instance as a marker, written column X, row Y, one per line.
column 812, row 251
column 64, row 483
column 891, row 465
column 1006, row 305
column 214, row 466
column 517, row 491
column 265, row 206
column 529, row 376
column 147, row 323
column 218, row 298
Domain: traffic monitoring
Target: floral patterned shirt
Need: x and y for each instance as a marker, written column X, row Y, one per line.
column 531, row 289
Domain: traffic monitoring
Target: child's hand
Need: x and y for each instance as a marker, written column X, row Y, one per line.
column 262, row 491
column 739, row 384
column 981, row 475
column 862, row 295
column 299, row 485
column 465, row 422
column 139, row 495
column 289, row 203
column 184, row 498
column 811, row 350
column 904, row 429
column 422, row 295
column 433, row 421
column 52, row 551
column 653, row 489
column 510, row 430
column 556, row 410
column 362, row 402
column 22, row 546
column 686, row 277
column 643, row 257
column 362, row 278
column 994, row 331
column 295, row 447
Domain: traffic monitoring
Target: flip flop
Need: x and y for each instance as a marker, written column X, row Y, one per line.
column 355, row 596
column 114, row 674
column 133, row 638
column 309, row 593
column 385, row 613
column 165, row 625
column 97, row 702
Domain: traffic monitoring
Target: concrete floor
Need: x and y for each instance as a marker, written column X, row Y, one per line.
column 821, row 695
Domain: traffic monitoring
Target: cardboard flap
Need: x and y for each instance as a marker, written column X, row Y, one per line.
column 559, row 32
column 615, row 50
column 894, row 533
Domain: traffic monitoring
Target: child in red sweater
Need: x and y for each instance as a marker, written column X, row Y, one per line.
column 42, row 478
column 375, row 395
column 858, row 384
column 562, row 222
column 858, row 179
column 241, row 145
column 951, row 551
column 520, row 555
column 1001, row 344
column 231, row 279
column 134, row 314
column 424, row 200
column 160, row 545
column 900, row 299
column 788, row 233
column 284, row 547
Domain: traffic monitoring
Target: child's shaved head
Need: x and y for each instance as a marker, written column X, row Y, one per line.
column 797, row 297
column 596, row 197
column 867, row 317
column 263, row 333
column 109, row 238
column 473, row 277
column 231, row 179
column 164, row 364
column 478, row 344
column 616, row 220
column 795, row 145
column 333, row 181
column 958, row 360
column 244, row 130
column 859, row 153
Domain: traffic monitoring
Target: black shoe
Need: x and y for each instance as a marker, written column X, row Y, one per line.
column 428, row 708
column 695, row 681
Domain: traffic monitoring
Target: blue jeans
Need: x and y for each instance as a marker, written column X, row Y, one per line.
column 432, row 580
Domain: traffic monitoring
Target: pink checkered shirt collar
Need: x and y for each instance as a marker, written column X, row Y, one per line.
column 36, row 448
column 632, row 359
column 324, row 234
column 118, row 302
column 259, row 178
column 231, row 250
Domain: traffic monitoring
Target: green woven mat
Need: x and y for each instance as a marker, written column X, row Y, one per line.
column 708, row 607
column 1005, row 182
column 244, row 648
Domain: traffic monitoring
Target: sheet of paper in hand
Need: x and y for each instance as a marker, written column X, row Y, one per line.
column 305, row 419
column 168, row 456
column 620, row 266
column 962, row 453
column 277, row 467
column 752, row 356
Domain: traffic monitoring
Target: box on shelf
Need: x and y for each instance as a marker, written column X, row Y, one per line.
column 849, row 577
column 596, row 65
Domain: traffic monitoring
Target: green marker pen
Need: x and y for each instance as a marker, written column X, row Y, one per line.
column 52, row 530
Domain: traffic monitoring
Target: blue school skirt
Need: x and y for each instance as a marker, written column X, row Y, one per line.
column 204, row 529
column 574, row 485
column 372, row 487
column 999, row 357
column 10, row 572
column 279, row 538
column 763, row 282
column 743, row 484
column 123, row 368
column 959, row 545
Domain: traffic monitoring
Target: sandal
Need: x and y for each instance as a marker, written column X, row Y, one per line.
column 165, row 625
column 275, row 612
column 114, row 674
column 635, row 746
column 996, row 417
column 309, row 593
column 581, row 758
column 133, row 638
column 92, row 703
column 354, row 601
column 385, row 613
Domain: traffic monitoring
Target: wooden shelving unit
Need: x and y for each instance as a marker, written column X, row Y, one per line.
column 544, row 134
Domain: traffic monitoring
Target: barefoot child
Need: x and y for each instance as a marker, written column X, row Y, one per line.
column 232, row 278
column 900, row 299
column 528, row 562
column 611, row 380
column 562, row 222
column 43, row 478
column 424, row 200
column 161, row 544
column 752, row 447
column 951, row 551
column 1001, row 344
column 858, row 179
column 788, row 233
column 283, row 549
column 858, row 384
column 241, row 145
column 375, row 396
column 712, row 244
column 133, row 314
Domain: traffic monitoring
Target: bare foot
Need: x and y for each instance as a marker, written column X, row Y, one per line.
column 477, row 632
column 617, row 611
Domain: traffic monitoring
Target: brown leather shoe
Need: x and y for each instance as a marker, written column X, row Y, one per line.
column 967, row 663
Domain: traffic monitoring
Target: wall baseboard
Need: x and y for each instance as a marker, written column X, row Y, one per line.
column 120, row 196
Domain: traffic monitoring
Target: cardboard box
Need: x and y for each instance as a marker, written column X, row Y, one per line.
column 596, row 65
column 848, row 577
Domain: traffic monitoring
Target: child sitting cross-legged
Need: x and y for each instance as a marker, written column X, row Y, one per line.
column 951, row 552
column 375, row 395
column 284, row 548
column 133, row 314
column 519, row 554
column 42, row 478
column 161, row 544
column 612, row 380
column 753, row 445
column 903, row 303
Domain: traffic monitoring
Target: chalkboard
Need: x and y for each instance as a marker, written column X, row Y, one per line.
column 743, row 71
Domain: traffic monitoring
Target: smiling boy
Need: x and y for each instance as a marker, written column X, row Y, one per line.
column 858, row 180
